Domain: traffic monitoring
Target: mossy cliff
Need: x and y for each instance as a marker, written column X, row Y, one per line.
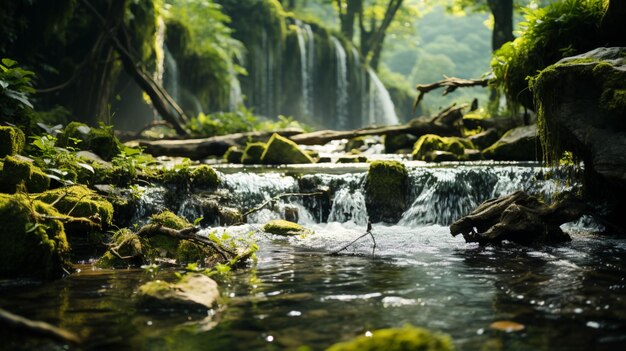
column 386, row 188
column 582, row 109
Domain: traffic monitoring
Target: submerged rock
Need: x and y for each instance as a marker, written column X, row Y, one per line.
column 193, row 292
column 518, row 144
column 397, row 339
column 282, row 227
column 386, row 191
column 32, row 246
column 281, row 150
column 17, row 170
column 12, row 141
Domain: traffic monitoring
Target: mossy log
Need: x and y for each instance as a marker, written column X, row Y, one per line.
column 521, row 218
column 204, row 147
column 445, row 123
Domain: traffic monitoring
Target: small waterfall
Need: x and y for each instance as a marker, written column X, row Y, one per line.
column 347, row 206
column 341, row 113
column 310, row 39
column 172, row 80
column 381, row 108
column 304, row 68
column 235, row 97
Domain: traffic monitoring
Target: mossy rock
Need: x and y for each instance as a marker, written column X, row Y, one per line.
column 252, row 154
column 355, row 144
column 169, row 219
column 518, row 144
column 16, row 171
column 397, row 339
column 282, row 227
column 394, row 143
column 441, row 156
column 430, row 142
column 193, row 292
column 126, row 244
column 233, row 155
column 385, row 191
column 31, row 245
column 281, row 150
column 352, row 159
column 80, row 201
column 485, row 139
column 205, row 176
column 12, row 141
column 80, row 136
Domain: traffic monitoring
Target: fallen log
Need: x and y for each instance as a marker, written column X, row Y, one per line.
column 444, row 124
column 213, row 146
column 450, row 84
column 14, row 323
column 520, row 218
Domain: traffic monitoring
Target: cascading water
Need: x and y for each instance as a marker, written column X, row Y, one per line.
column 305, row 47
column 310, row 40
column 381, row 108
column 341, row 111
column 235, row 97
column 171, row 79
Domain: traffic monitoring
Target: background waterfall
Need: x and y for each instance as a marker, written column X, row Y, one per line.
column 381, row 108
column 341, row 91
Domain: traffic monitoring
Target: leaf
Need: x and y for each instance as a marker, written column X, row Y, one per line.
column 507, row 326
column 198, row 220
column 21, row 97
column 8, row 62
column 4, row 84
column 86, row 166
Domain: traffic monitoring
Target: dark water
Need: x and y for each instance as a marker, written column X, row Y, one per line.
column 569, row 297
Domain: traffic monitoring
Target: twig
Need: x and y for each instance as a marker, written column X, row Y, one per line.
column 450, row 84
column 368, row 232
column 10, row 320
column 277, row 197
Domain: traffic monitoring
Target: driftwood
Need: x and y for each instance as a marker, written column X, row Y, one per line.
column 213, row 146
column 444, row 124
column 520, row 218
column 14, row 322
column 368, row 231
column 450, row 84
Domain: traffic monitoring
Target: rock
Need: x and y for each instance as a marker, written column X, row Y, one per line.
column 282, row 227
column 430, row 142
column 16, row 171
column 485, row 138
column 582, row 109
column 352, row 159
column 394, row 143
column 32, row 246
column 90, row 156
column 472, row 155
column 205, row 177
column 229, row 216
column 100, row 141
column 291, row 214
column 441, row 156
column 12, row 141
column 169, row 220
column 252, row 154
column 126, row 244
column 520, row 218
column 281, row 150
column 193, row 292
column 397, row 339
column 518, row 144
column 233, row 155
column 385, row 191
column 357, row 143
column 80, row 201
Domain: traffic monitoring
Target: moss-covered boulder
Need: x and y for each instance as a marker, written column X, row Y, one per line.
column 407, row 338
column 357, row 143
column 282, row 227
column 100, row 141
column 193, row 292
column 518, row 144
column 386, row 188
column 31, row 245
column 352, row 159
column 80, row 201
column 430, row 142
column 124, row 243
column 394, row 143
column 252, row 154
column 12, row 141
column 205, row 176
column 169, row 219
column 233, row 155
column 17, row 171
column 485, row 138
column 281, row 150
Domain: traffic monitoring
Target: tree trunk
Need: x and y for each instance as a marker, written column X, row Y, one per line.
column 372, row 40
column 502, row 11
column 353, row 7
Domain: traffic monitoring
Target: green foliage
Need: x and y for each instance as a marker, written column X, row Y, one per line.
column 99, row 140
column 563, row 29
column 16, row 87
column 398, row 339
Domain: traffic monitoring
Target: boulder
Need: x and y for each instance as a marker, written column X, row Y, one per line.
column 32, row 246
column 397, row 142
column 430, row 142
column 352, row 159
column 582, row 109
column 282, row 227
column 228, row 216
column 397, row 339
column 386, row 191
column 252, row 154
column 16, row 171
column 205, row 177
column 441, row 156
column 193, row 292
column 80, row 136
column 80, row 201
column 12, row 141
column 485, row 138
column 233, row 155
column 357, row 143
column 518, row 144
column 281, row 150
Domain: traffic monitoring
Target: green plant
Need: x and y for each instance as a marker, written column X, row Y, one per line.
column 15, row 87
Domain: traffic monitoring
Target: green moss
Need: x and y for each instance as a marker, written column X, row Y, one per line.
column 397, row 339
column 188, row 252
column 16, row 171
column 355, row 143
column 80, row 201
column 282, row 227
column 233, row 155
column 281, row 150
column 430, row 142
column 31, row 245
column 80, row 136
column 252, row 154
column 170, row 220
column 385, row 190
column 74, row 135
column 126, row 244
column 205, row 176
column 12, row 141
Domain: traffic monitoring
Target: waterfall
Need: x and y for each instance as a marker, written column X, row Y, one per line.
column 304, row 68
column 235, row 97
column 172, row 82
column 310, row 66
column 341, row 113
column 159, row 49
column 381, row 108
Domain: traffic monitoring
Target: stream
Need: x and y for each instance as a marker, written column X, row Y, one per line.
column 569, row 297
